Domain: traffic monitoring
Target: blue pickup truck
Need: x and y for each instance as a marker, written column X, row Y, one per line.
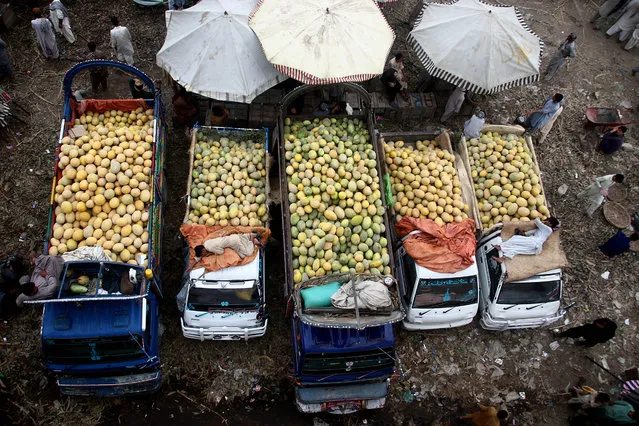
column 100, row 334
column 343, row 358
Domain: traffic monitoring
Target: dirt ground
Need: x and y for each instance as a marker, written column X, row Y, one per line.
column 446, row 372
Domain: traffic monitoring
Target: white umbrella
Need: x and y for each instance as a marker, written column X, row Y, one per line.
column 477, row 46
column 323, row 41
column 210, row 49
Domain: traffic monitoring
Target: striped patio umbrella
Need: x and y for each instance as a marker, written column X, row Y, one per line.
column 323, row 41
column 478, row 46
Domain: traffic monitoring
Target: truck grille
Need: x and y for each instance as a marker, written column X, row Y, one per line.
column 349, row 362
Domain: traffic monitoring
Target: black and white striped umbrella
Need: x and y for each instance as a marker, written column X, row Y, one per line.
column 478, row 46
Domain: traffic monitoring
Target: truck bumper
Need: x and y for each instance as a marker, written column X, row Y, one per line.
column 111, row 386
column 412, row 326
column 223, row 333
column 499, row 324
column 344, row 399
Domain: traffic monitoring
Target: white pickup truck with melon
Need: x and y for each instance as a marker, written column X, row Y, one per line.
column 228, row 187
column 428, row 180
column 523, row 292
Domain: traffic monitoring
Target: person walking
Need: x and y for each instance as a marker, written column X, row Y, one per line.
column 595, row 194
column 391, row 83
column 566, row 50
column 60, row 18
column 600, row 331
column 626, row 24
column 538, row 119
column 454, row 103
column 121, row 42
column 45, row 35
column 607, row 8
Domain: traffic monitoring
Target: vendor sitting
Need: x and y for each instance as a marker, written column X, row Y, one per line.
column 242, row 244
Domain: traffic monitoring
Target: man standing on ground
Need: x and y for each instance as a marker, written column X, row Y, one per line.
column 454, row 103
column 612, row 140
column 60, row 18
column 596, row 192
column 566, row 50
column 98, row 75
column 45, row 35
column 121, row 42
column 600, row 331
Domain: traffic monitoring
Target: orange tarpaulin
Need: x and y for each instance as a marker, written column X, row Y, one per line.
column 445, row 249
column 196, row 235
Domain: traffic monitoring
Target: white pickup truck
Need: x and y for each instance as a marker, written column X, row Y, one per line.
column 226, row 304
column 434, row 300
column 528, row 303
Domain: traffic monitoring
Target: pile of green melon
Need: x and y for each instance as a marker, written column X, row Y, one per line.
column 506, row 179
column 228, row 182
column 335, row 205
column 424, row 181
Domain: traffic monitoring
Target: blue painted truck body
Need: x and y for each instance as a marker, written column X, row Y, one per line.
column 343, row 367
column 108, row 344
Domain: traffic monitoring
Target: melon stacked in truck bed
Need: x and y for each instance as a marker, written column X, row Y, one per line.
column 335, row 205
column 104, row 185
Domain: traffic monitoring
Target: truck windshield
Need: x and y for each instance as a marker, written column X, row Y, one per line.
column 202, row 299
column 529, row 292
column 446, row 292
column 94, row 350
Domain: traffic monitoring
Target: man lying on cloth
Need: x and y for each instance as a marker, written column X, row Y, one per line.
column 242, row 244
column 530, row 243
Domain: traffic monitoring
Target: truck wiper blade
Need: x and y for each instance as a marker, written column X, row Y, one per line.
column 511, row 306
column 533, row 307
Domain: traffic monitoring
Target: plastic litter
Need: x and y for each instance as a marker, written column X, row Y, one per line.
column 554, row 345
column 499, row 361
column 562, row 189
column 605, row 275
column 627, row 321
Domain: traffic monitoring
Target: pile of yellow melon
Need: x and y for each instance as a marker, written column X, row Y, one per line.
column 506, row 179
column 424, row 182
column 105, row 187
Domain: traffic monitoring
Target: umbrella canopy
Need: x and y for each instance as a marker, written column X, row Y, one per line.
column 210, row 49
column 323, row 41
column 480, row 47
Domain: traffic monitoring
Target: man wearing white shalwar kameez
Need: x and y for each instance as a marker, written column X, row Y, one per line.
column 595, row 194
column 531, row 243
column 627, row 22
column 454, row 103
column 60, row 18
column 45, row 35
column 121, row 42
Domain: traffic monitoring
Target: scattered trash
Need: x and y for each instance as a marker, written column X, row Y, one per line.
column 23, row 237
column 605, row 275
column 512, row 396
column 408, row 397
column 9, row 146
column 30, row 170
column 257, row 388
column 627, row 321
column 4, row 339
column 554, row 345
column 319, row 422
column 451, row 369
column 562, row 189
column 33, row 206
column 545, row 354
column 522, row 395
column 625, row 104
column 497, row 372
column 499, row 361
column 566, row 321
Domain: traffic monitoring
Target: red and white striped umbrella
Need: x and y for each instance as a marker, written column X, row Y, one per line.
column 323, row 41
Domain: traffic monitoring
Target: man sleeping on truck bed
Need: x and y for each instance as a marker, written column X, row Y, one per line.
column 531, row 243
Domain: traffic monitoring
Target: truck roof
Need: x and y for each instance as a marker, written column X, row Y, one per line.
column 91, row 319
column 427, row 273
column 250, row 271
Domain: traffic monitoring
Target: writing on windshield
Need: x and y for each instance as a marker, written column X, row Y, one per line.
column 446, row 292
column 530, row 292
column 200, row 299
